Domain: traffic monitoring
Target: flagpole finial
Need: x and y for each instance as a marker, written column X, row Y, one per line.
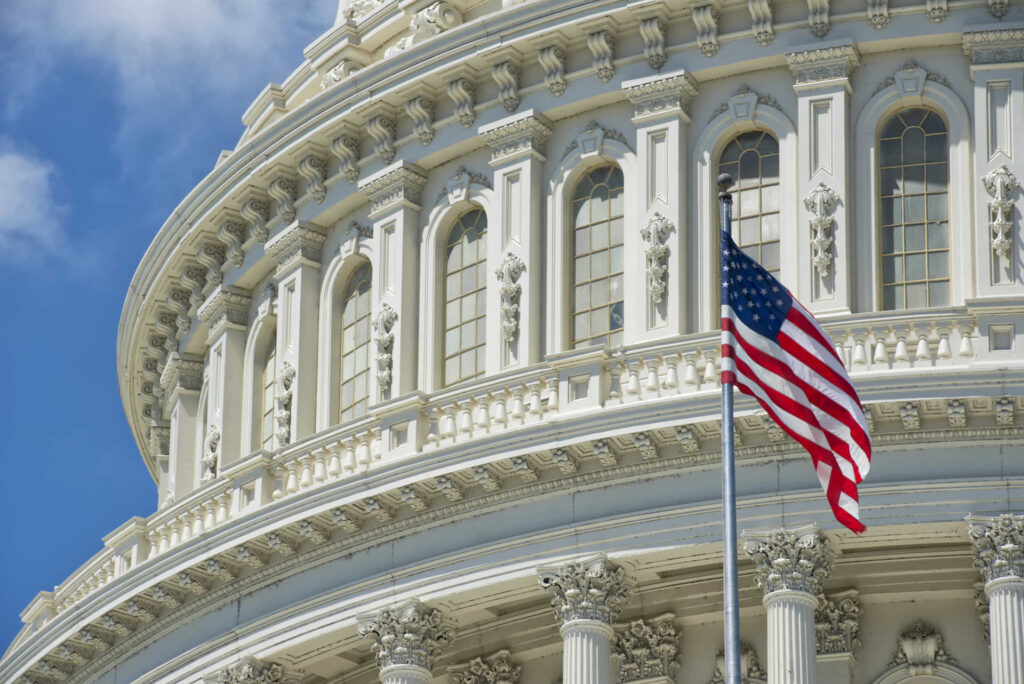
column 724, row 183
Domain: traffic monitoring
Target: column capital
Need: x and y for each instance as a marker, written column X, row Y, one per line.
column 594, row 589
column 837, row 622
column 250, row 670
column 660, row 95
column 647, row 649
column 393, row 187
column 998, row 46
column 794, row 560
column 411, row 634
column 998, row 545
column 299, row 243
column 823, row 64
column 498, row 668
column 182, row 373
column 226, row 307
column 516, row 137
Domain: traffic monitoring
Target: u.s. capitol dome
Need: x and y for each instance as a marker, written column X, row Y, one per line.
column 426, row 370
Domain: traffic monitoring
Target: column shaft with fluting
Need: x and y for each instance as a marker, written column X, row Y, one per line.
column 586, row 652
column 791, row 644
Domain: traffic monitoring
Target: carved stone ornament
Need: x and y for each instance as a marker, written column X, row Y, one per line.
column 1001, row 184
column 421, row 110
column 591, row 140
column 998, row 545
column 837, row 623
column 646, row 649
column 655, row 95
column 994, row 47
column 910, row 80
column 920, row 648
column 593, row 589
column 384, row 337
column 742, row 105
column 427, row 23
column 750, row 667
column 496, row 669
column 818, row 20
column 398, row 184
column 652, row 31
column 382, row 129
column 821, row 202
column 509, row 289
column 761, row 21
column 251, row 671
column 356, row 9
column 457, row 188
column 525, row 133
column 283, row 404
column 705, row 19
column 824, row 64
column 794, row 560
column 878, row 14
column 602, row 48
column 654, row 235
column 299, row 242
column 211, row 454
column 411, row 634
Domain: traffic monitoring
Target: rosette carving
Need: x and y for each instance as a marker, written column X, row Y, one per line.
column 593, row 589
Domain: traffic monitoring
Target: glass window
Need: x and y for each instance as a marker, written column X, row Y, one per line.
column 355, row 346
column 465, row 298
column 268, row 385
column 597, row 298
column 914, row 155
column 752, row 159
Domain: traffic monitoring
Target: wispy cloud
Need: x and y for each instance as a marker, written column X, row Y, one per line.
column 31, row 220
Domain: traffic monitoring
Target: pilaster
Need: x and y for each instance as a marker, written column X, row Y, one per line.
column 181, row 380
column 515, row 241
column 646, row 651
column 394, row 194
column 996, row 60
column 499, row 668
column 407, row 641
column 297, row 252
column 790, row 567
column 587, row 597
column 999, row 555
column 822, row 84
column 226, row 313
column 837, row 630
column 661, row 115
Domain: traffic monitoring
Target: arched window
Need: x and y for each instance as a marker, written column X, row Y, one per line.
column 752, row 159
column 267, row 383
column 355, row 345
column 914, row 181
column 465, row 295
column 597, row 211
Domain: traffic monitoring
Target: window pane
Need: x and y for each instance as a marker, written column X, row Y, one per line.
column 465, row 298
column 597, row 254
column 770, row 199
column 892, row 239
column 937, row 207
column 914, row 266
column 890, row 152
column 913, row 179
column 938, row 293
column 891, row 182
column 938, row 236
column 913, row 209
column 938, row 265
column 913, row 146
column 914, row 237
column 935, row 148
column 892, row 210
column 917, row 297
column 937, row 177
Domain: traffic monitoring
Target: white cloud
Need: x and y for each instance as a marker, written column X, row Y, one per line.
column 31, row 221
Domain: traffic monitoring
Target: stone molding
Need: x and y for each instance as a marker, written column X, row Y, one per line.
column 398, row 185
column 409, row 634
column 644, row 649
column 498, row 668
column 518, row 136
column 837, row 622
column 182, row 372
column 789, row 560
column 661, row 94
column 823, row 64
column 593, row 589
column 250, row 670
column 997, row 46
column 298, row 243
column 998, row 545
column 225, row 307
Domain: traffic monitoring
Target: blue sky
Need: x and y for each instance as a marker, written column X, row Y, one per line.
column 110, row 111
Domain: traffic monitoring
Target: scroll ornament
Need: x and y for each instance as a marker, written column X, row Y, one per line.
column 1000, row 184
column 509, row 289
column 384, row 336
column 821, row 202
column 654, row 235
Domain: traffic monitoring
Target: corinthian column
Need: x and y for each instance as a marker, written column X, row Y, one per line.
column 587, row 597
column 790, row 567
column 998, row 543
column 406, row 641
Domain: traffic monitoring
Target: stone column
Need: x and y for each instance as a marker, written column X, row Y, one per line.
column 790, row 566
column 516, row 241
column 226, row 312
column 823, row 124
column 297, row 252
column 660, row 112
column 999, row 554
column 406, row 640
column 998, row 149
column 181, row 380
column 587, row 597
column 394, row 194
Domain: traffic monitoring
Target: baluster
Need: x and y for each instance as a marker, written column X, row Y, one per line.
column 319, row 465
column 671, row 372
column 210, row 521
column 222, row 501
column 334, row 465
column 348, row 463
column 901, row 347
column 860, row 354
column 280, row 477
column 552, row 403
column 375, row 444
column 633, row 384
column 966, row 348
column 306, row 470
column 198, row 519
column 175, row 533
column 653, row 381
column 165, row 537
column 690, row 374
column 363, row 456
column 433, row 426
column 154, row 544
column 535, row 407
column 944, row 350
column 483, row 412
column 499, row 415
column 186, row 526
column 922, row 352
column 710, row 374
column 292, row 484
column 517, row 405
column 465, row 418
column 881, row 355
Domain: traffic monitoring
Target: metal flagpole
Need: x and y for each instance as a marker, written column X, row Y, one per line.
column 730, row 589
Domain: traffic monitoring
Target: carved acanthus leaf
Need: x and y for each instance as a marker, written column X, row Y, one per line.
column 411, row 634
column 593, row 589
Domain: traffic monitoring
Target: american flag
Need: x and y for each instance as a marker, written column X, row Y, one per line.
column 774, row 351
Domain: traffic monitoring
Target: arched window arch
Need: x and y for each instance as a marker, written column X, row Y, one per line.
column 268, row 382
column 354, row 382
column 914, row 196
column 465, row 298
column 597, row 264
column 752, row 159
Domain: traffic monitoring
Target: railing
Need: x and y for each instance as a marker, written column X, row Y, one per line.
column 566, row 384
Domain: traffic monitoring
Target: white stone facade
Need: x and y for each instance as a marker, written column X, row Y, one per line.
column 384, row 449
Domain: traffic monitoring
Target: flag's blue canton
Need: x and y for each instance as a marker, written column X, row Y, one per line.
column 757, row 298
